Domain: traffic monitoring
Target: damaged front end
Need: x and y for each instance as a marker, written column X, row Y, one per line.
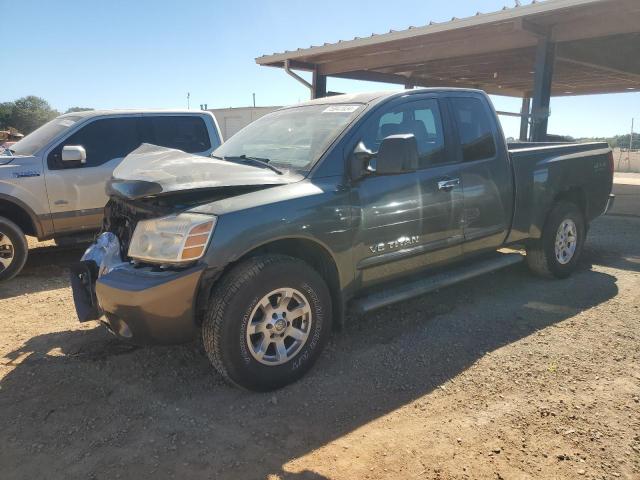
column 99, row 259
column 154, row 181
column 141, row 298
column 137, row 303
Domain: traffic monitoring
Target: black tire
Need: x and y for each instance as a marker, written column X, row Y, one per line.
column 18, row 249
column 541, row 254
column 224, row 330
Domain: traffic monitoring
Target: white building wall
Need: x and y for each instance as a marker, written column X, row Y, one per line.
column 232, row 120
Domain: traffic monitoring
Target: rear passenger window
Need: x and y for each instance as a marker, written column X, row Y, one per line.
column 103, row 140
column 187, row 133
column 474, row 129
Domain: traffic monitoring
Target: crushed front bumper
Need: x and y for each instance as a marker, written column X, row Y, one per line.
column 139, row 304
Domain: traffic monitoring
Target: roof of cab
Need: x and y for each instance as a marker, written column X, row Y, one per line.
column 98, row 113
column 375, row 97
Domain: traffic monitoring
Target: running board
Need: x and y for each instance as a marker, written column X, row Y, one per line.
column 433, row 282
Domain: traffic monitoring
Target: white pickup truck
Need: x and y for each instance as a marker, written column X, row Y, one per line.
column 52, row 182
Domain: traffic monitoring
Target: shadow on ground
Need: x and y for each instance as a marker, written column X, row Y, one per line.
column 80, row 404
column 47, row 268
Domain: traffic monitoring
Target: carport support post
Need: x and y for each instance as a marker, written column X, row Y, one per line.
column 524, row 119
column 319, row 85
column 545, row 58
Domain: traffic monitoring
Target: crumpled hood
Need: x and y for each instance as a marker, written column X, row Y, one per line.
column 151, row 170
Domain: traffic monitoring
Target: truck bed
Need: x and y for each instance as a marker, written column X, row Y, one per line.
column 545, row 172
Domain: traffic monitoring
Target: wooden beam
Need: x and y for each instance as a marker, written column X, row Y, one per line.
column 527, row 25
column 609, row 18
column 427, row 52
column 617, row 54
column 372, row 76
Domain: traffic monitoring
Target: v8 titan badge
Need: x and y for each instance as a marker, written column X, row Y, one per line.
column 394, row 244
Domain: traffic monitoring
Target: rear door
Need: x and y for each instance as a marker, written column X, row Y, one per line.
column 411, row 220
column 189, row 133
column 485, row 173
column 76, row 191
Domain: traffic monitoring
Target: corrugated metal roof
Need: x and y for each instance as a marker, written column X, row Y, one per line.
column 595, row 44
column 507, row 13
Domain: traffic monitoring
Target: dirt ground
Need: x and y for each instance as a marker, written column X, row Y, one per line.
column 508, row 376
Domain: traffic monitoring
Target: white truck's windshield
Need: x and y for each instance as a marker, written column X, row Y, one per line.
column 293, row 138
column 43, row 135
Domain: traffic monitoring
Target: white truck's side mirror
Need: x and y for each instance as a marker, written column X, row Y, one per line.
column 74, row 153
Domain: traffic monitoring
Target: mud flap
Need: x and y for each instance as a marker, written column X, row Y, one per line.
column 83, row 281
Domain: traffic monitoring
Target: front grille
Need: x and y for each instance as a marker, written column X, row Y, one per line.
column 122, row 216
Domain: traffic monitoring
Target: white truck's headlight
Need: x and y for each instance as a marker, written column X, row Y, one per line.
column 175, row 239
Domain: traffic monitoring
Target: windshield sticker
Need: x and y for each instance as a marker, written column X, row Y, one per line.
column 340, row 109
column 66, row 123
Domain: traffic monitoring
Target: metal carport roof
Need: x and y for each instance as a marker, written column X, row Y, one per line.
column 597, row 50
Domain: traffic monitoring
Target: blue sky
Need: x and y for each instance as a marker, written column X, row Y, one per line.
column 150, row 53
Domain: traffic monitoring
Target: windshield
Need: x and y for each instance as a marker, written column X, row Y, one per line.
column 43, row 135
column 293, row 138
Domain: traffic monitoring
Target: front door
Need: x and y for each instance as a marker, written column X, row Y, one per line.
column 76, row 191
column 412, row 220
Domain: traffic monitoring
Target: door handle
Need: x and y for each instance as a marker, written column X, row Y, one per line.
column 448, row 184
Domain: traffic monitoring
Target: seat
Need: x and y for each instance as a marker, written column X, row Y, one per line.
column 417, row 128
column 388, row 129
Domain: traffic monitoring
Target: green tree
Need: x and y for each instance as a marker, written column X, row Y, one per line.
column 30, row 113
column 6, row 110
column 78, row 109
column 622, row 141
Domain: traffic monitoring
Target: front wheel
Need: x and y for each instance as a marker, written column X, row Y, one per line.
column 558, row 252
column 13, row 249
column 267, row 322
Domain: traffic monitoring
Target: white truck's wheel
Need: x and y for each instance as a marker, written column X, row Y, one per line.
column 13, row 249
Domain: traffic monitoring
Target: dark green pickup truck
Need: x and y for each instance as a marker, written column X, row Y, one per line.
column 342, row 204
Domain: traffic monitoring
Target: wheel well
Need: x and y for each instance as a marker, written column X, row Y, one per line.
column 19, row 216
column 313, row 254
column 318, row 258
column 576, row 196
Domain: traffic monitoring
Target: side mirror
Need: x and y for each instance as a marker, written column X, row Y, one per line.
column 74, row 153
column 360, row 159
column 397, row 154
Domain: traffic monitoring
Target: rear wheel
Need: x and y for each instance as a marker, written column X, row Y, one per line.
column 267, row 322
column 557, row 252
column 13, row 249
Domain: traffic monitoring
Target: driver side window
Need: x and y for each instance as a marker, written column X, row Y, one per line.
column 420, row 118
column 103, row 139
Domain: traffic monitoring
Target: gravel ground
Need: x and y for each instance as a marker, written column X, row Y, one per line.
column 507, row 376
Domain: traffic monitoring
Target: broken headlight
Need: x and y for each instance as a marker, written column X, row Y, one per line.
column 175, row 239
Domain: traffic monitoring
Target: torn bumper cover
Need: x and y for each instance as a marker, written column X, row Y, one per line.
column 140, row 304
